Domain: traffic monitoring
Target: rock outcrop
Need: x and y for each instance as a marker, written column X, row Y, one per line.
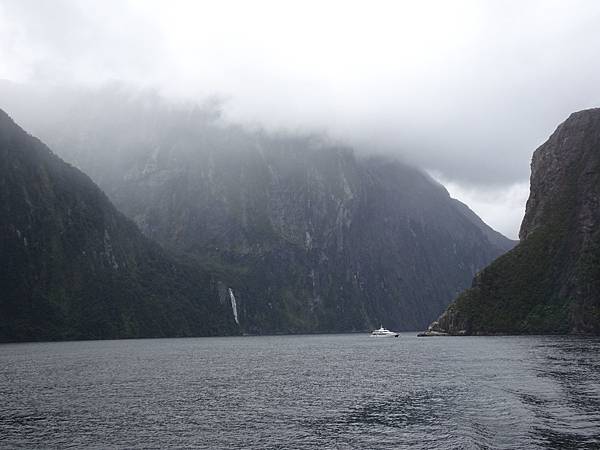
column 550, row 282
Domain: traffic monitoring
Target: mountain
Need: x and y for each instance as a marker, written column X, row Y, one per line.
column 309, row 235
column 73, row 267
column 550, row 282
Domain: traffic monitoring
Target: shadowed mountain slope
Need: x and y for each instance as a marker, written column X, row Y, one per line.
column 73, row 267
column 309, row 235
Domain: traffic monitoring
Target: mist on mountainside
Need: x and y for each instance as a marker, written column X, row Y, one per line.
column 462, row 90
column 131, row 113
column 310, row 234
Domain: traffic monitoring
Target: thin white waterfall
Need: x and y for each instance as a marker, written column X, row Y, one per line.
column 233, row 306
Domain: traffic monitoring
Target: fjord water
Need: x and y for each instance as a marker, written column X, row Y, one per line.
column 317, row 391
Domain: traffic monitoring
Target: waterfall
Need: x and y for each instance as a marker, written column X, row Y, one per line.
column 233, row 306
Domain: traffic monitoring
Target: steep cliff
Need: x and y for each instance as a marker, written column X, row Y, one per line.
column 309, row 236
column 73, row 267
column 550, row 282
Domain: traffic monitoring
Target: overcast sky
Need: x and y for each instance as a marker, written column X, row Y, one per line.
column 465, row 89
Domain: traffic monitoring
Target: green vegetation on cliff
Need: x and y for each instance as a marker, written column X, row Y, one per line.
column 550, row 282
column 73, row 267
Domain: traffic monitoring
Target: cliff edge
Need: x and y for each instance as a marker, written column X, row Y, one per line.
column 550, row 282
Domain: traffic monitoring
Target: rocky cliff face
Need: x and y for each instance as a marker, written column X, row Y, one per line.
column 73, row 267
column 309, row 236
column 550, row 282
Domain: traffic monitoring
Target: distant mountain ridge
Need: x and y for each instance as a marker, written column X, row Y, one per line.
column 550, row 282
column 73, row 267
column 310, row 236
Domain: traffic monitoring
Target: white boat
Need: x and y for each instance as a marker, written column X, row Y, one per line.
column 384, row 332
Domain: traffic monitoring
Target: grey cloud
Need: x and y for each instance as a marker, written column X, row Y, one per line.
column 464, row 89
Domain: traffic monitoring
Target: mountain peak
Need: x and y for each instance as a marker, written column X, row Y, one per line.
column 561, row 166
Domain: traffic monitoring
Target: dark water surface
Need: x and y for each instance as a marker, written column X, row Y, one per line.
column 324, row 391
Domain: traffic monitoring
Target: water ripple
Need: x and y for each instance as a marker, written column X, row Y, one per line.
column 326, row 392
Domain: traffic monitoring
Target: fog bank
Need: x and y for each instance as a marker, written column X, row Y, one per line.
column 466, row 89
